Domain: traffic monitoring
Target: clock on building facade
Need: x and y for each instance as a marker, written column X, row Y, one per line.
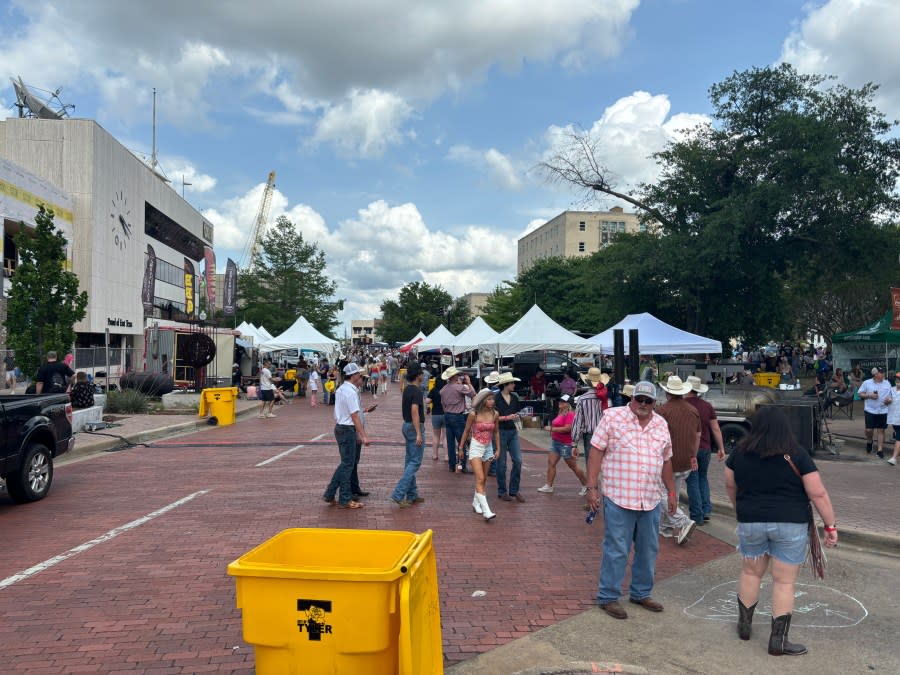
column 120, row 221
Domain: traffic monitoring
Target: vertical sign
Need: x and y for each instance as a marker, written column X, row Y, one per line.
column 229, row 302
column 210, row 260
column 895, row 309
column 188, row 287
column 149, row 286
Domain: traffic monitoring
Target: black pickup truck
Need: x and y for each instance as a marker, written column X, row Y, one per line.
column 35, row 430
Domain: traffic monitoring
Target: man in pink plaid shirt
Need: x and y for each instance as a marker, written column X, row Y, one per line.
column 633, row 449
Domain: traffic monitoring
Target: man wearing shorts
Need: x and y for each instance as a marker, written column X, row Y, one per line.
column 894, row 419
column 266, row 389
column 877, row 396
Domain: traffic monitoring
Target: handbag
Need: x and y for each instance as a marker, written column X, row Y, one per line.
column 815, row 555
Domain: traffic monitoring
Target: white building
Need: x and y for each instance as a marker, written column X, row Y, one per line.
column 117, row 206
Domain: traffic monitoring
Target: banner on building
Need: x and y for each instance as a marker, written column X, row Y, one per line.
column 149, row 286
column 895, row 309
column 229, row 301
column 209, row 259
column 188, row 287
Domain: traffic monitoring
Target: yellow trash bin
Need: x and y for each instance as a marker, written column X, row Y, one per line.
column 767, row 379
column 219, row 403
column 402, row 379
column 313, row 602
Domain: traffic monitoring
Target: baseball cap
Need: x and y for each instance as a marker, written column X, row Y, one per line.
column 876, row 369
column 352, row 369
column 645, row 388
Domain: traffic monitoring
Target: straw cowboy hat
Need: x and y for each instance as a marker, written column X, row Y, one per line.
column 594, row 375
column 492, row 378
column 480, row 396
column 697, row 385
column 675, row 386
column 506, row 378
column 452, row 371
column 628, row 390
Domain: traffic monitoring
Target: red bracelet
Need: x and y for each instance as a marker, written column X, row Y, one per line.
column 830, row 529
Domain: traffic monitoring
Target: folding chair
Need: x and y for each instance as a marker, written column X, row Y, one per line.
column 842, row 404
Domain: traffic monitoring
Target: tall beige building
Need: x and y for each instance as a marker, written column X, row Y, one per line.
column 575, row 233
column 476, row 302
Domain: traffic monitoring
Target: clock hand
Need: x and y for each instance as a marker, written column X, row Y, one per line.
column 126, row 228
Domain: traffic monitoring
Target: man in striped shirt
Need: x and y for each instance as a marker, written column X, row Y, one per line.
column 633, row 448
column 588, row 410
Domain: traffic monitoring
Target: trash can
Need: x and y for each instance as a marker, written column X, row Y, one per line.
column 319, row 600
column 221, row 403
column 402, row 379
column 767, row 379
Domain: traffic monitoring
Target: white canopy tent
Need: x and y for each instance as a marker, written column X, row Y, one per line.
column 439, row 338
column 249, row 331
column 301, row 335
column 536, row 330
column 476, row 333
column 657, row 337
column 412, row 343
column 264, row 335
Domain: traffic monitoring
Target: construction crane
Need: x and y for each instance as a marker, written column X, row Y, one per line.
column 259, row 225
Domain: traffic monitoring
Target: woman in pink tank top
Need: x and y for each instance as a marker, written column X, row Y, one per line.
column 483, row 433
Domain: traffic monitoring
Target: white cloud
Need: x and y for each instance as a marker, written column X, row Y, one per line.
column 366, row 123
column 179, row 169
column 497, row 165
column 533, row 225
column 361, row 67
column 856, row 40
column 628, row 133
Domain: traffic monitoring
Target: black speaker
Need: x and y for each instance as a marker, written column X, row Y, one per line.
column 804, row 421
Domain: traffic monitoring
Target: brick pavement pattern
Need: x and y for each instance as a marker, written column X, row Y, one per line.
column 156, row 598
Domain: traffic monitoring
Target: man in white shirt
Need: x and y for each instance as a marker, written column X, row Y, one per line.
column 314, row 381
column 347, row 430
column 877, row 396
column 267, row 389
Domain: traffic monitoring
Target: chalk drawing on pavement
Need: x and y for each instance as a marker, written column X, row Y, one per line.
column 815, row 606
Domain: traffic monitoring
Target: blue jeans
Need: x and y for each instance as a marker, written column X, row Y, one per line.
column 509, row 442
column 624, row 526
column 698, row 488
column 346, row 440
column 454, row 425
column 406, row 486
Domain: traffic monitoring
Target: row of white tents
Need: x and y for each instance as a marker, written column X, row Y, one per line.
column 534, row 331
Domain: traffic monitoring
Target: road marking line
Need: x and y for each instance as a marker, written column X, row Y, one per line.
column 318, row 438
column 280, row 455
column 81, row 548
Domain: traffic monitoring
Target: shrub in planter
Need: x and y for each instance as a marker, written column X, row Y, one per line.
column 127, row 401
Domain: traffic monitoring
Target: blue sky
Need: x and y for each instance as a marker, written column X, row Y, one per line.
column 404, row 134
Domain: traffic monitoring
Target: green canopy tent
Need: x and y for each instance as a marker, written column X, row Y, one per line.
column 873, row 345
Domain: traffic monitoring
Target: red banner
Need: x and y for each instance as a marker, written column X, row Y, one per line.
column 895, row 309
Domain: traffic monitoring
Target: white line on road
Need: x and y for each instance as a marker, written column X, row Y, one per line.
column 81, row 548
column 280, row 455
column 319, row 437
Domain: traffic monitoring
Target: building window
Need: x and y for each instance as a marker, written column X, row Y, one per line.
column 581, row 247
column 581, row 226
column 604, row 226
column 621, row 227
column 642, row 227
column 604, row 237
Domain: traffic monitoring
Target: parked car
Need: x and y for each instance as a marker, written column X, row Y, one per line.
column 35, row 430
column 554, row 364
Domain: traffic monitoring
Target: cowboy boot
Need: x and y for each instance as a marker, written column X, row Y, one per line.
column 476, row 505
column 778, row 639
column 485, row 509
column 745, row 619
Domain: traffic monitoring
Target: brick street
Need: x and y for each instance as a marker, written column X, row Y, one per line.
column 155, row 598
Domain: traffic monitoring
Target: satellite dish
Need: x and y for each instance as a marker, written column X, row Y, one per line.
column 30, row 105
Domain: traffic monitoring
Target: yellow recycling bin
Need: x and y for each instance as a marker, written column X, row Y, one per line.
column 325, row 601
column 767, row 379
column 219, row 403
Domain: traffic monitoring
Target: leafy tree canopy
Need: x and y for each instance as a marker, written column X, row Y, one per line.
column 421, row 307
column 44, row 303
column 287, row 279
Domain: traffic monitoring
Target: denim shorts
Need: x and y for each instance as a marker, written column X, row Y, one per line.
column 437, row 422
column 481, row 451
column 564, row 450
column 784, row 541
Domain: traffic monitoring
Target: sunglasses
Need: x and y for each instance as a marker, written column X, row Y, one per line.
column 643, row 400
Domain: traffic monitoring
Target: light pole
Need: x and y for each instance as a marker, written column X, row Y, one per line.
column 182, row 185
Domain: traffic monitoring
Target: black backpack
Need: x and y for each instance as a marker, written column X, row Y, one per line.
column 57, row 383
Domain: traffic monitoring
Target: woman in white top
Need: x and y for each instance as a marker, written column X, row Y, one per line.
column 894, row 419
column 313, row 385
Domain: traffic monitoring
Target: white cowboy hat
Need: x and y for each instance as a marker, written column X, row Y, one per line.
column 506, row 378
column 480, row 396
column 492, row 378
column 594, row 375
column 452, row 371
column 675, row 386
column 697, row 385
column 628, row 390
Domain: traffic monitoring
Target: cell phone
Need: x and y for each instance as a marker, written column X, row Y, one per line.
column 589, row 518
column 371, row 407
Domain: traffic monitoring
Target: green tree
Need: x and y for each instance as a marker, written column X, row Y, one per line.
column 776, row 202
column 44, row 303
column 287, row 279
column 419, row 307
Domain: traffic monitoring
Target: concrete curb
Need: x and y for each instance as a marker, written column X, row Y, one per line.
column 108, row 441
